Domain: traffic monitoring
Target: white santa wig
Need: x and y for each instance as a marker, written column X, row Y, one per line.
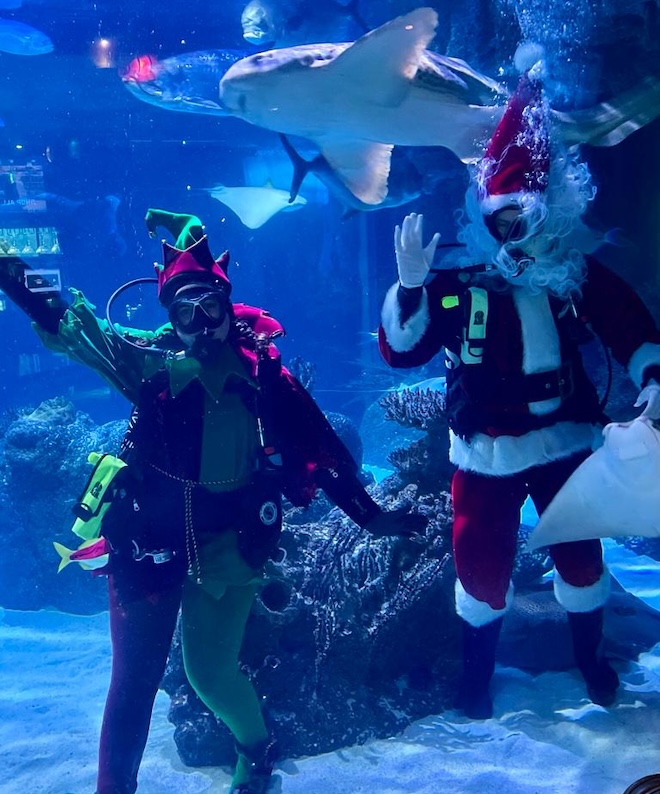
column 549, row 219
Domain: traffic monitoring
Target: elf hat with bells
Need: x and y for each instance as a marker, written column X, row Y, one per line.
column 189, row 260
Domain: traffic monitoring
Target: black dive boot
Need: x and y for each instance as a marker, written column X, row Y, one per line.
column 587, row 633
column 254, row 768
column 479, row 645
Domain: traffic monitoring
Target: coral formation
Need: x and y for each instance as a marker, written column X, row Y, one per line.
column 426, row 460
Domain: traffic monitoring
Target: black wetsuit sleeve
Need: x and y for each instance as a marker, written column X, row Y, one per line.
column 409, row 299
column 346, row 491
column 314, row 455
column 44, row 308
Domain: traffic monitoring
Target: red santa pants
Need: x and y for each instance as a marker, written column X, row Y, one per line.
column 485, row 530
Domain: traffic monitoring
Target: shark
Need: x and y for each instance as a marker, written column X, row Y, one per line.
column 356, row 101
column 406, row 182
column 255, row 205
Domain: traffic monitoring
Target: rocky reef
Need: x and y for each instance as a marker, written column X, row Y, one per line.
column 351, row 637
column 43, row 469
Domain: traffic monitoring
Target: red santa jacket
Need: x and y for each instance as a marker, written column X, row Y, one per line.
column 517, row 392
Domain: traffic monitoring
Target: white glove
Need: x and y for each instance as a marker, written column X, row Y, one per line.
column 412, row 260
column 650, row 395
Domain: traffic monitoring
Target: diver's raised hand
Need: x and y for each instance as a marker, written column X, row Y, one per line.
column 397, row 522
column 413, row 260
column 650, row 397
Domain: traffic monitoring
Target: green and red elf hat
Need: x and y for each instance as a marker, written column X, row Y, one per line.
column 189, row 260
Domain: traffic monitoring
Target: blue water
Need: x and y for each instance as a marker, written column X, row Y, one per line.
column 82, row 159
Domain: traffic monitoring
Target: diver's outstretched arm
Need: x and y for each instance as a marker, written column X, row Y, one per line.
column 44, row 307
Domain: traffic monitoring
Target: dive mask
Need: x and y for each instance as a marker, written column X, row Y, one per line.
column 193, row 314
column 506, row 225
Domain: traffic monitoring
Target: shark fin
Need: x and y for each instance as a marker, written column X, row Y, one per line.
column 300, row 167
column 609, row 123
column 382, row 62
column 363, row 166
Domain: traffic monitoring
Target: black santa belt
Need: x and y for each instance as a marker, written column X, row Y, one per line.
column 521, row 389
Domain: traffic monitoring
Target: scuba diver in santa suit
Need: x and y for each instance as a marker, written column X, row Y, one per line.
column 523, row 414
column 219, row 431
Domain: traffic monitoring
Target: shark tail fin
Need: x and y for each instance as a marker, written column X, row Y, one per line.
column 609, row 123
column 301, row 168
column 65, row 555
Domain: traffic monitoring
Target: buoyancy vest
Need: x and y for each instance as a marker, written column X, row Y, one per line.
column 482, row 397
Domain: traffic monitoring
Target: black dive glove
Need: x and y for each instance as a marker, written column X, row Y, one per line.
column 43, row 306
column 347, row 492
column 397, row 522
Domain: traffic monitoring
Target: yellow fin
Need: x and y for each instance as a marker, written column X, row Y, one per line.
column 65, row 555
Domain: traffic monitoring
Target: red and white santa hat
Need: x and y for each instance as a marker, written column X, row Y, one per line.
column 516, row 161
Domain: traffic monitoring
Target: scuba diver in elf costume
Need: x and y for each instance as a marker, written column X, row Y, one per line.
column 220, row 429
column 523, row 413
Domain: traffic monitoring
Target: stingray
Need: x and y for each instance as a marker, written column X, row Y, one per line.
column 614, row 493
column 357, row 100
column 255, row 205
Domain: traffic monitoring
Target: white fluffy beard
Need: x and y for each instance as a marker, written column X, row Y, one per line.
column 541, row 263
column 545, row 258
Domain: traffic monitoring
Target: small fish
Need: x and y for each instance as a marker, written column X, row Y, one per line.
column 255, row 205
column 284, row 24
column 91, row 554
column 17, row 38
column 260, row 23
column 141, row 69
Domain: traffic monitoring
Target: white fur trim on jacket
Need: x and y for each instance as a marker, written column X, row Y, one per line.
column 646, row 355
column 402, row 338
column 582, row 599
column 501, row 456
column 478, row 613
column 540, row 341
